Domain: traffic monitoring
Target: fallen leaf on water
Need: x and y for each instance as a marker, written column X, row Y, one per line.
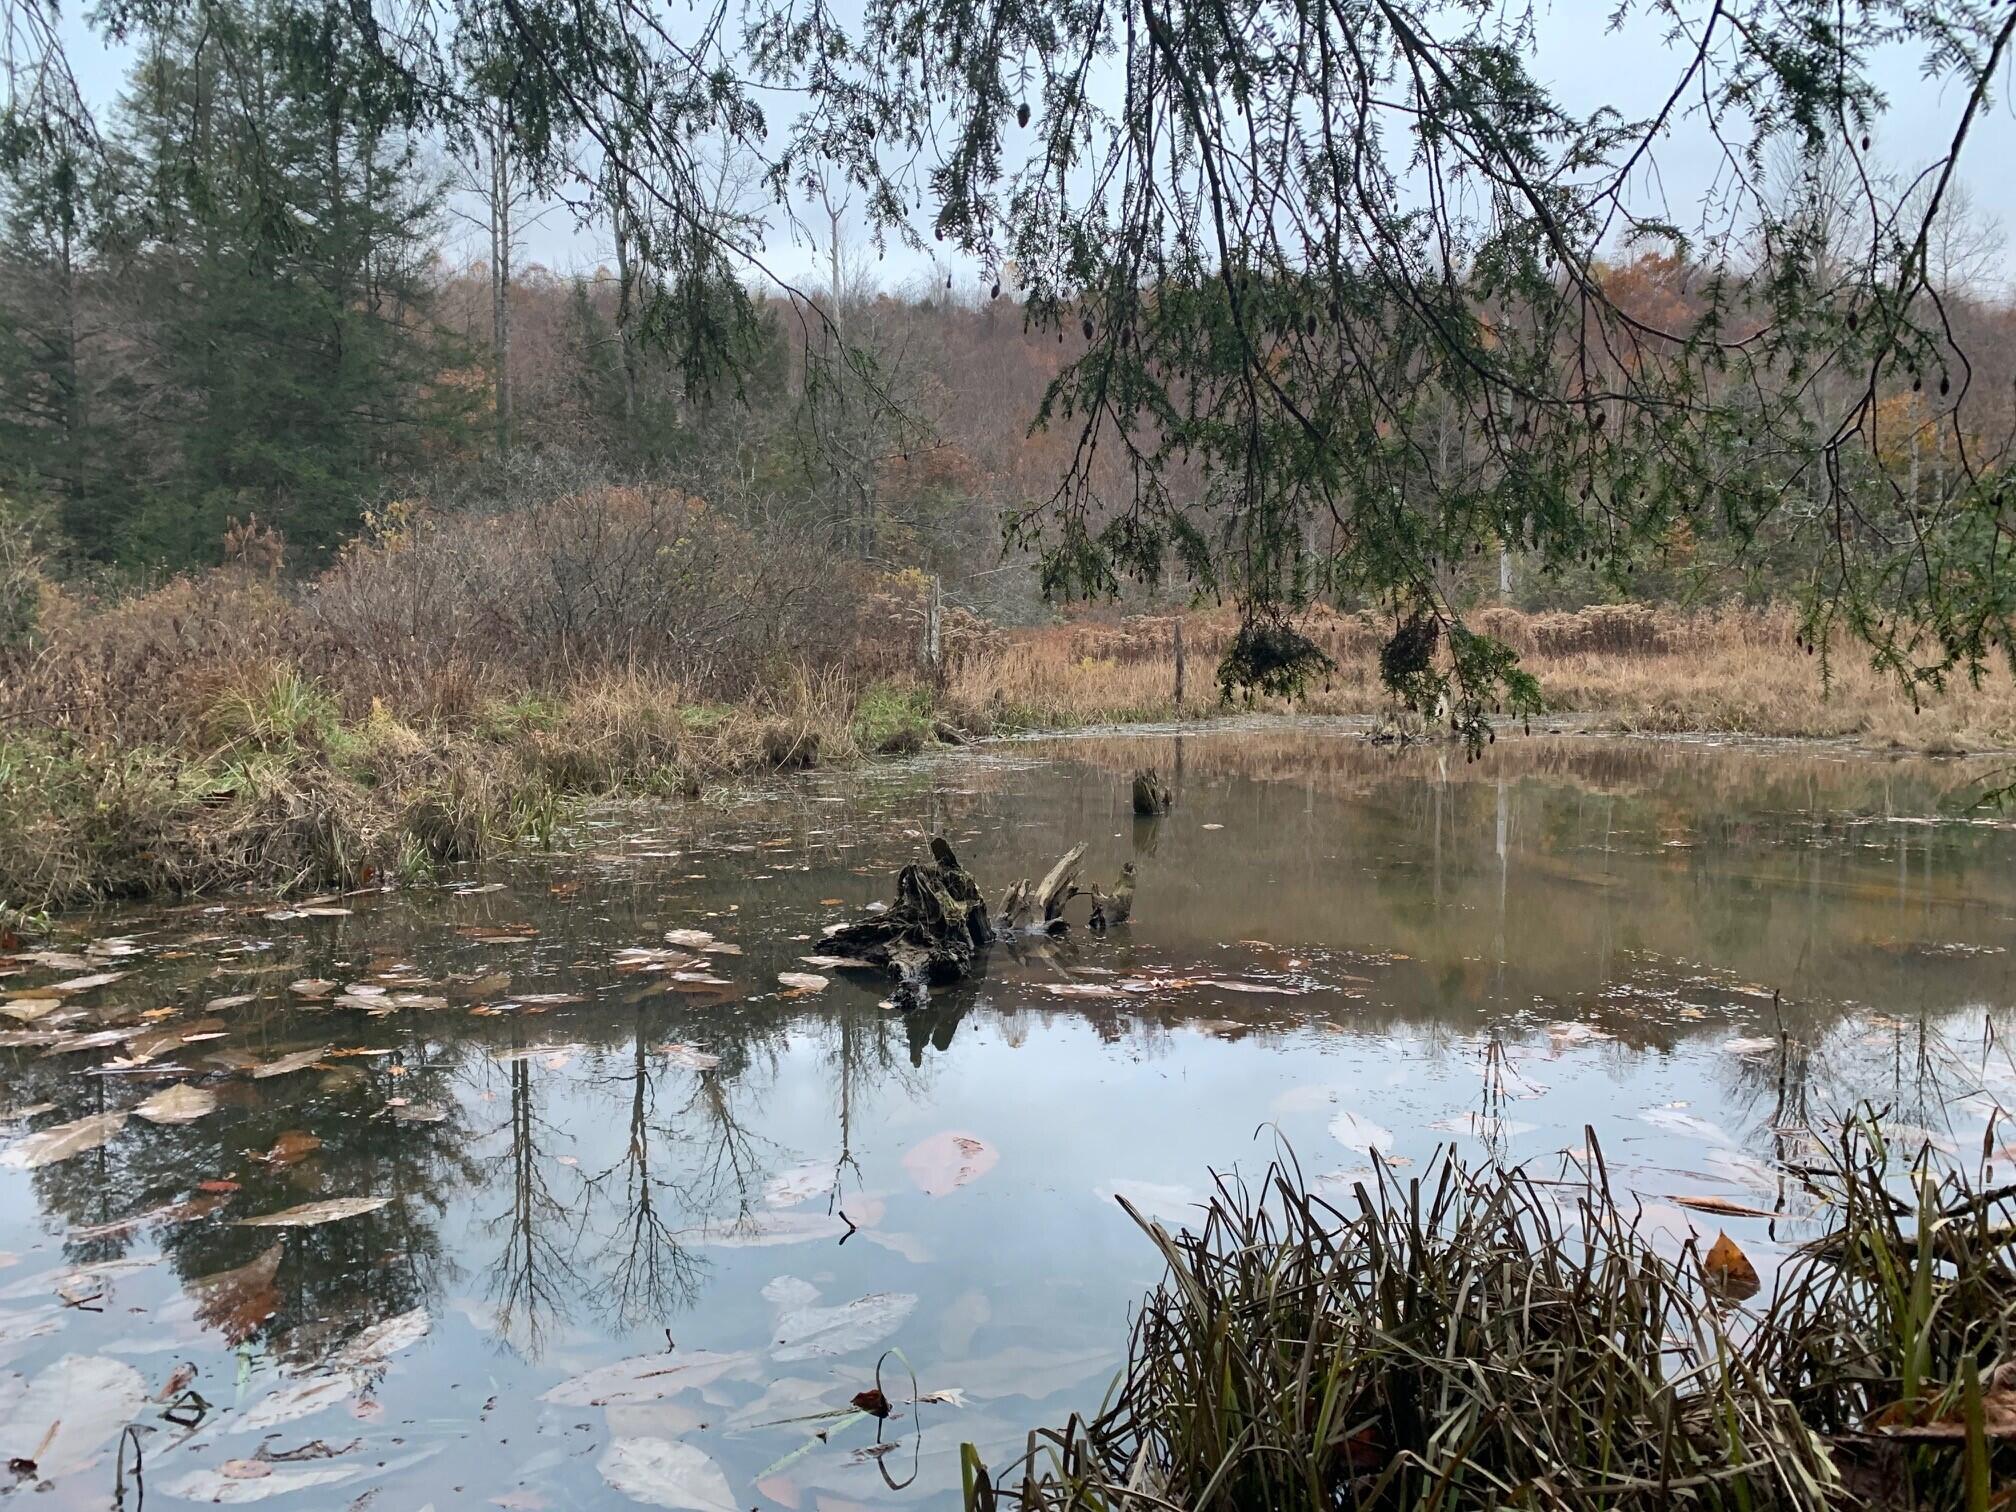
column 419, row 1113
column 221, row 1486
column 1214, row 826
column 309, row 1214
column 803, row 981
column 28, row 1010
column 690, row 1058
column 1749, row 1046
column 1157, row 1199
column 663, row 1473
column 179, row 1104
column 648, row 1378
column 949, row 1160
column 300, row 1399
column 47, row 1146
column 799, row 1184
column 383, row 1339
column 70, row 1411
column 236, row 1302
column 85, row 983
column 805, row 1331
column 1723, row 1206
column 244, row 1469
column 300, row 1060
column 689, row 939
column 1730, row 1270
column 291, row 1148
column 1082, row 990
column 1674, row 1122
column 1356, row 1133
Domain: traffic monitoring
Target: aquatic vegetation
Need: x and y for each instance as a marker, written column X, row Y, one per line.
column 1489, row 1337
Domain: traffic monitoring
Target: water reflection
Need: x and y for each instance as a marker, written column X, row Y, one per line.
column 587, row 1154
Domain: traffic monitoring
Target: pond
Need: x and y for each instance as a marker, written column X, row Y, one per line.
column 567, row 1205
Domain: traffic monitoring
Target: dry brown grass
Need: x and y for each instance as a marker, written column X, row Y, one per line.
column 1631, row 668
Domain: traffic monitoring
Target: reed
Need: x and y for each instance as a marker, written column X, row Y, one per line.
column 1490, row 1338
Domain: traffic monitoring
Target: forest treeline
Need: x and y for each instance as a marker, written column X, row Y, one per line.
column 245, row 306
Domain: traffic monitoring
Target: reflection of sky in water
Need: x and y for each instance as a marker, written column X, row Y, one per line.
column 1566, row 934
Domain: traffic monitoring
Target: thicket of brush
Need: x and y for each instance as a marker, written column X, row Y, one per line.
column 441, row 689
column 1490, row 1338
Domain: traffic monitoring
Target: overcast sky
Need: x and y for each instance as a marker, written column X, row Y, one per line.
column 1632, row 70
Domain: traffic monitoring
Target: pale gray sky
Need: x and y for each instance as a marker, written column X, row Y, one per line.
column 1632, row 70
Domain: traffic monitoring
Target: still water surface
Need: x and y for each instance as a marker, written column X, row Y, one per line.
column 636, row 1214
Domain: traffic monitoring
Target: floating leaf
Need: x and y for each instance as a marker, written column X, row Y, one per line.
column 647, row 1378
column 664, row 1473
column 179, row 1104
column 69, row 1412
column 805, row 1331
column 799, row 1184
column 291, row 1148
column 689, row 939
column 1173, row 1204
column 1749, row 1046
column 1729, row 1270
column 301, row 1399
column 308, row 1214
column 418, row 1113
column 85, row 983
column 384, row 1339
column 300, row 1060
column 232, row 1488
column 47, row 1146
column 1675, row 1122
column 1356, row 1133
column 948, row 1161
column 690, row 1058
column 803, row 981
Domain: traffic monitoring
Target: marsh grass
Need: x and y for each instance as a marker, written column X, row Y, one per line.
column 1489, row 1338
column 1627, row 667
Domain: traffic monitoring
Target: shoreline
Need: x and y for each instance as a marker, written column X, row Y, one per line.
column 343, row 805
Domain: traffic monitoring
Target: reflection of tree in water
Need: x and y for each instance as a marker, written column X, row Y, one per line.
column 531, row 1285
column 332, row 1280
column 651, row 1274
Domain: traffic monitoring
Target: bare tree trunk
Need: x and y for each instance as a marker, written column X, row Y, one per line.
column 1179, row 664
column 500, row 280
column 626, row 308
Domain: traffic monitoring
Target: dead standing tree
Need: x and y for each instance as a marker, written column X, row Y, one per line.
column 938, row 929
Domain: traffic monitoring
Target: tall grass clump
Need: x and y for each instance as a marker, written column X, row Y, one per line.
column 1485, row 1338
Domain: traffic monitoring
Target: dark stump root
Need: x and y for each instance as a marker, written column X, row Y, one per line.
column 938, row 929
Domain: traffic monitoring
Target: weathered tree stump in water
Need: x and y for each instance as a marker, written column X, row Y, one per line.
column 938, row 929
column 1151, row 793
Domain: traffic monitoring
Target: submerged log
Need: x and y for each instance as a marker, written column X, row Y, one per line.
column 938, row 929
column 1151, row 793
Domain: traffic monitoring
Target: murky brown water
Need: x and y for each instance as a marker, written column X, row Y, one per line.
column 564, row 1159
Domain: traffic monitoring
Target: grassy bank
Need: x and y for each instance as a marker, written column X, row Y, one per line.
column 1627, row 668
column 448, row 685
column 1501, row 1338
